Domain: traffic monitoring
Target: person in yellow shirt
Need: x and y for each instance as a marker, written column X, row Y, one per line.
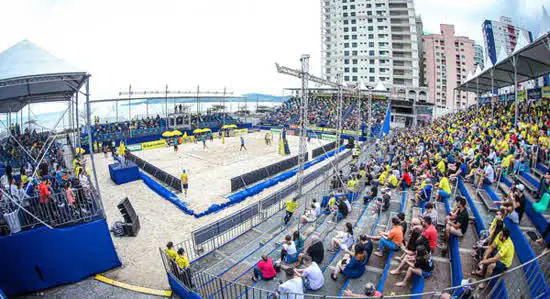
column 382, row 178
column 291, row 207
column 502, row 261
column 184, row 272
column 184, row 177
column 444, row 189
column 182, row 260
column 441, row 166
column 392, row 180
column 170, row 251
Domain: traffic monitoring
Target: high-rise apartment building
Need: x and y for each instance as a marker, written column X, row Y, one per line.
column 478, row 55
column 447, row 61
column 502, row 35
column 370, row 41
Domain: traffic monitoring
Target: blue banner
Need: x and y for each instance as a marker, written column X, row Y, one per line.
column 386, row 126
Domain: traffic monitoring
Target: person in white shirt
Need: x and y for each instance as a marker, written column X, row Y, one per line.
column 289, row 254
column 312, row 275
column 293, row 288
column 313, row 213
column 342, row 239
column 488, row 174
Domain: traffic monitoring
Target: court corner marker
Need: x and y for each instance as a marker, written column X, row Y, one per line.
column 132, row 287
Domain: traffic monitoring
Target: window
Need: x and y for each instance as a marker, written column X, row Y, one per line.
column 352, row 14
column 354, row 45
column 371, row 53
column 346, row 45
column 353, row 22
column 371, row 36
column 346, row 69
column 371, row 70
column 346, row 29
column 371, row 28
column 371, row 61
column 354, row 61
column 345, row 22
column 371, row 44
column 345, row 7
column 354, row 53
column 354, row 78
column 346, row 61
column 345, row 15
column 346, row 37
column 352, row 7
column 346, row 53
column 346, row 78
column 371, row 79
column 354, row 70
column 353, row 29
column 354, row 36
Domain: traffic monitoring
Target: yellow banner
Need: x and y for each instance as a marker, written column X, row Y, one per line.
column 546, row 92
column 240, row 132
column 331, row 130
column 153, row 144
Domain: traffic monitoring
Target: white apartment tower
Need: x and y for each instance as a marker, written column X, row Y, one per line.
column 371, row 41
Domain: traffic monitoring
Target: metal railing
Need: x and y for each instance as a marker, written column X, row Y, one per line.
column 57, row 211
column 513, row 278
column 266, row 207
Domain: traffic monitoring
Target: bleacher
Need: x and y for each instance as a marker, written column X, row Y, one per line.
column 231, row 267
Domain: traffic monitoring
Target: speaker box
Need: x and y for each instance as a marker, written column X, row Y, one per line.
column 131, row 220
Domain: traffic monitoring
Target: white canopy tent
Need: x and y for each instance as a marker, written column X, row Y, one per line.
column 29, row 74
column 530, row 62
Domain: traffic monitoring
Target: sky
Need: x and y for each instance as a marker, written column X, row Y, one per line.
column 214, row 44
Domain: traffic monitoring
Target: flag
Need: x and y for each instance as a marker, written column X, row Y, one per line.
column 386, row 127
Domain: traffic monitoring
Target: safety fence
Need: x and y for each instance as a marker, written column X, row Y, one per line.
column 209, row 237
column 514, row 278
column 323, row 149
column 261, row 173
column 156, row 172
column 56, row 211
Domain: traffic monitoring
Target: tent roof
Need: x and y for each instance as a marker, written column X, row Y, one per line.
column 30, row 74
column 533, row 61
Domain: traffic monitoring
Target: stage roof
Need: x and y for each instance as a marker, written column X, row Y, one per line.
column 533, row 61
column 30, row 74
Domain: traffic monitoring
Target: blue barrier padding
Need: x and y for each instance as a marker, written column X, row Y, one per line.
column 478, row 219
column 480, row 225
column 456, row 264
column 524, row 252
column 259, row 187
column 538, row 219
column 43, row 258
column 178, row 288
column 2, row 295
column 417, row 286
column 542, row 168
column 530, row 179
column 162, row 191
column 121, row 174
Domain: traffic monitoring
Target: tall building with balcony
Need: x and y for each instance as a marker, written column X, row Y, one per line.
column 502, row 34
column 447, row 61
column 478, row 55
column 370, row 41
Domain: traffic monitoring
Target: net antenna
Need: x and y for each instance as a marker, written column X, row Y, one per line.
column 306, row 77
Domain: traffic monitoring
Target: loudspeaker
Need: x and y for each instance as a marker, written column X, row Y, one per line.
column 131, row 220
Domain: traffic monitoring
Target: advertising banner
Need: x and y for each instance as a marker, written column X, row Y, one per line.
column 546, row 92
column 328, row 137
column 239, row 132
column 153, row 144
column 134, row 147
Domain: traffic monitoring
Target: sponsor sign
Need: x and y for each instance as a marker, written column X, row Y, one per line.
column 276, row 131
column 134, row 147
column 153, row 144
column 546, row 92
column 522, row 95
column 239, row 132
column 328, row 137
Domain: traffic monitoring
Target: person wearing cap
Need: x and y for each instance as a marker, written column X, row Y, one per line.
column 370, row 291
column 293, row 288
column 184, row 177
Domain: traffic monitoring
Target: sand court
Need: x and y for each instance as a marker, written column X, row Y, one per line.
column 210, row 169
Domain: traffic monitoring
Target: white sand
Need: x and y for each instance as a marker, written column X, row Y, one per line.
column 162, row 221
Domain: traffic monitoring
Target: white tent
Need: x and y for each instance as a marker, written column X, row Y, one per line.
column 469, row 77
column 380, row 86
column 487, row 63
column 361, row 85
column 478, row 71
column 30, row 74
column 502, row 55
column 521, row 42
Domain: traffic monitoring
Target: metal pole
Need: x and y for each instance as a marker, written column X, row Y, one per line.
column 29, row 115
column 147, row 107
column 166, row 105
column 129, row 106
column 224, row 91
column 303, row 128
column 514, row 63
column 78, row 141
column 116, row 107
column 198, row 105
column 339, row 116
column 369, row 127
column 90, row 146
column 477, row 89
column 491, row 97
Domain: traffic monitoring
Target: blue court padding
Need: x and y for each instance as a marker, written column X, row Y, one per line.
column 42, row 258
column 480, row 226
column 259, row 187
column 524, row 252
column 162, row 191
column 179, row 289
column 121, row 174
column 542, row 168
column 538, row 219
